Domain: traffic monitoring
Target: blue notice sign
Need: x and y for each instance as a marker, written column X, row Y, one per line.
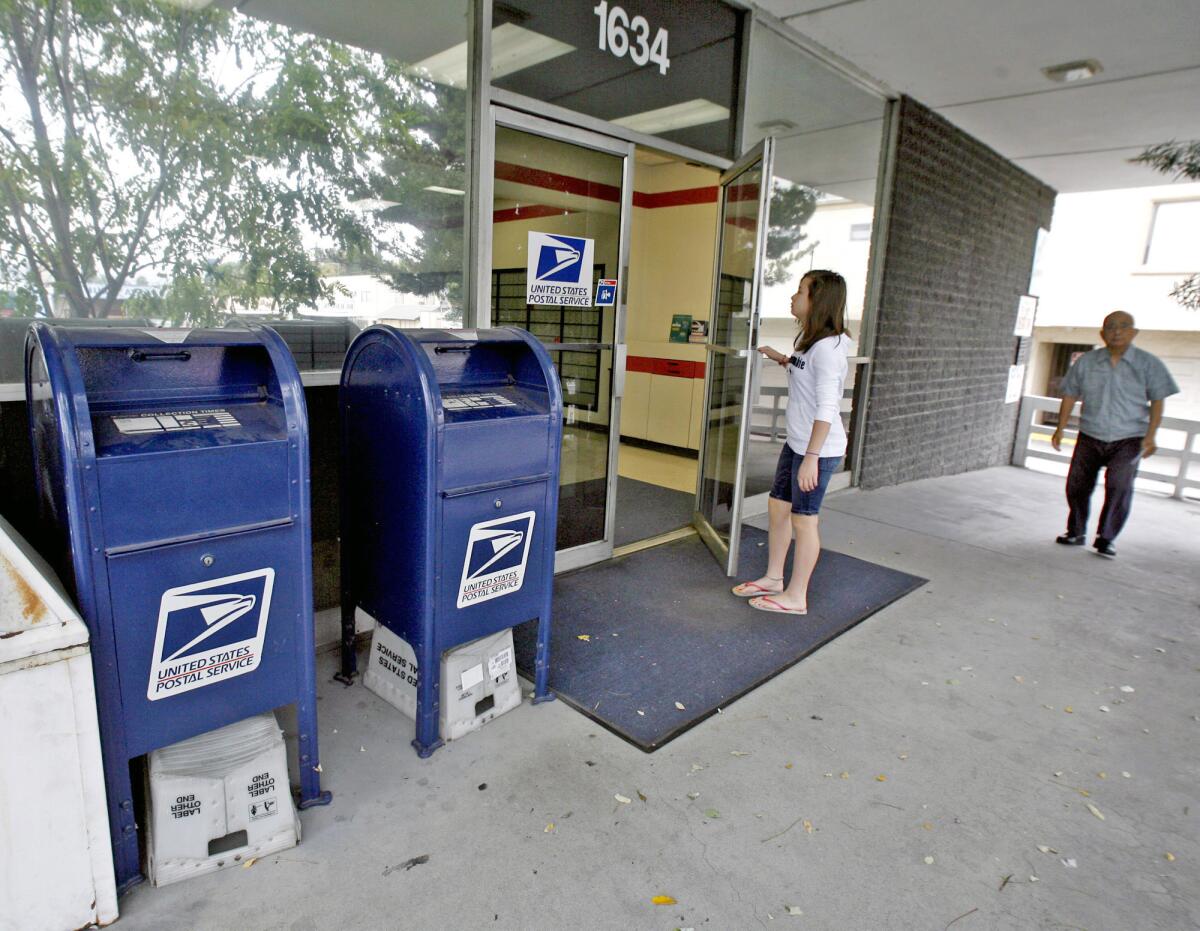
column 606, row 292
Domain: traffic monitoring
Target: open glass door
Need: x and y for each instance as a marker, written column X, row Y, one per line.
column 560, row 210
column 737, row 283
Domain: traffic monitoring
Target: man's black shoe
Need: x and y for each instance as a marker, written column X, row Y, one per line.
column 1067, row 540
column 1104, row 547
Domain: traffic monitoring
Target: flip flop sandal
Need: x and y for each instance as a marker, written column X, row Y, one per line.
column 751, row 590
column 771, row 606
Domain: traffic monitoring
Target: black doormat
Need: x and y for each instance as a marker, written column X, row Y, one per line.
column 645, row 510
column 634, row 636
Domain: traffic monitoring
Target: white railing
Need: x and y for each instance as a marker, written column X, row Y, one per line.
column 1033, row 442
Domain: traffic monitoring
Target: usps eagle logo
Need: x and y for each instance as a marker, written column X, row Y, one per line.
column 209, row 631
column 497, row 552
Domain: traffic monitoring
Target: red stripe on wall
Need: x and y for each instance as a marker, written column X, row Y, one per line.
column 677, row 368
column 552, row 181
column 530, row 212
column 683, row 198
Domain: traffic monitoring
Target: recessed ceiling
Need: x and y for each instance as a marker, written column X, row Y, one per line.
column 979, row 63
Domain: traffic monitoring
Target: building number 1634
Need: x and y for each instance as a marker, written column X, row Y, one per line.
column 620, row 35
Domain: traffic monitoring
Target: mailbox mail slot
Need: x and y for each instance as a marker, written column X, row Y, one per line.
column 172, row 471
column 450, row 462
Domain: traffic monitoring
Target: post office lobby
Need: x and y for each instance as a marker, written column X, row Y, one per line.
column 707, row 155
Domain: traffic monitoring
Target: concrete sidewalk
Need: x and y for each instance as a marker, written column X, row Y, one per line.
column 902, row 777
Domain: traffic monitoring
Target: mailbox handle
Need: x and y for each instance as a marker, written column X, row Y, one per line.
column 455, row 347
column 138, row 355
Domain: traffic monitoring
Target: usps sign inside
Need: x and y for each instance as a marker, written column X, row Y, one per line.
column 559, row 270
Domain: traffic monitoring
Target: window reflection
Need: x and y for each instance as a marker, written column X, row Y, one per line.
column 278, row 160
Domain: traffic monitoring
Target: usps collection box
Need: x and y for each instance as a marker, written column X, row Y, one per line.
column 479, row 679
column 219, row 799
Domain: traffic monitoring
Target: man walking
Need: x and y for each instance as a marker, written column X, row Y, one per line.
column 1122, row 389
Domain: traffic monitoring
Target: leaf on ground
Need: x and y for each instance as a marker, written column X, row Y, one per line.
column 640, row 795
column 843, row 775
column 793, row 910
column 881, row 778
column 1070, row 863
column 679, row 705
column 1102, row 775
column 1127, row 688
column 622, row 799
column 1127, row 775
column 808, row 826
column 249, row 863
column 641, row 713
column 787, row 765
column 1104, row 708
column 696, row 767
column 1005, row 881
column 584, row 637
column 711, row 813
column 1069, row 710
column 929, row 861
column 928, row 825
column 663, row 900
column 1044, row 849
column 549, row 829
column 738, row 753
column 693, row 795
column 1019, row 679
column 1169, row 857
column 1095, row 811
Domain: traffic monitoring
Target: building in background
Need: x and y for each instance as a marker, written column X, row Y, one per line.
column 1119, row 250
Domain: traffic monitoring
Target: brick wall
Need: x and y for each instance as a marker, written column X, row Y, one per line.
column 963, row 227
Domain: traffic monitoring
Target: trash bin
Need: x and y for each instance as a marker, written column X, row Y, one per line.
column 450, row 461
column 56, row 869
column 173, row 465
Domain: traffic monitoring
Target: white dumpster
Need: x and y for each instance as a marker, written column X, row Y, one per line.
column 56, row 870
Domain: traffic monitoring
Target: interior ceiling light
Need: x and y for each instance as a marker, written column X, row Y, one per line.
column 438, row 189
column 677, row 116
column 513, row 48
column 1073, row 71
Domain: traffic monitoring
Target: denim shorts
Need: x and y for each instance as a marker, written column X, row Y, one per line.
column 787, row 481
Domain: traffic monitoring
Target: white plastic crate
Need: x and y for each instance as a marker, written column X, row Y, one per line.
column 218, row 799
column 479, row 679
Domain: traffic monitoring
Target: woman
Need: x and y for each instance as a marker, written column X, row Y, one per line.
column 816, row 441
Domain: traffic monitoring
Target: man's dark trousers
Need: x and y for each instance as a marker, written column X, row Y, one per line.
column 1120, row 460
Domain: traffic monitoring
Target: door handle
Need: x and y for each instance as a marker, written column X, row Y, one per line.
column 620, row 355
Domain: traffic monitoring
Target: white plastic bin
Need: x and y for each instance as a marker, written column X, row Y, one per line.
column 56, row 870
column 479, row 679
column 219, row 799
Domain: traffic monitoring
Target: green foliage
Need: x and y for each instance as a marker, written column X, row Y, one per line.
column 1181, row 159
column 216, row 151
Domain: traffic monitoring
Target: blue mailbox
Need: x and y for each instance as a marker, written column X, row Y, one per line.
column 172, row 469
column 450, row 462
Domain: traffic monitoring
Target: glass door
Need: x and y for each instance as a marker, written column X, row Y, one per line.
column 560, row 206
column 741, row 240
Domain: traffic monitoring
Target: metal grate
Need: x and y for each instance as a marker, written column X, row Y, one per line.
column 578, row 371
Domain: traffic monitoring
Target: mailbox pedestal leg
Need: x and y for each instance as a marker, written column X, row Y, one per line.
column 541, row 681
column 349, row 667
column 122, row 825
column 428, row 707
column 309, row 754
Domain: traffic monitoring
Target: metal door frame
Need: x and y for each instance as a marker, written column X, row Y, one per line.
column 586, row 553
column 764, row 151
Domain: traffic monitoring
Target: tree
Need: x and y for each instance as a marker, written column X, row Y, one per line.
column 792, row 206
column 217, row 151
column 1181, row 159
